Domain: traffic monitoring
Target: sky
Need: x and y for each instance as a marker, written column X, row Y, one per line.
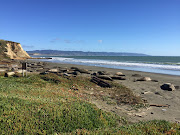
column 137, row 26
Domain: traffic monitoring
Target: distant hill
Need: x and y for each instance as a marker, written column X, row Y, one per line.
column 81, row 53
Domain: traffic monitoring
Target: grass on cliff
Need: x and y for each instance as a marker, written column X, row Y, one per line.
column 3, row 49
column 50, row 105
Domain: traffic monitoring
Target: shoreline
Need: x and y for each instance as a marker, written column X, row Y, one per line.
column 144, row 68
column 107, row 68
column 159, row 65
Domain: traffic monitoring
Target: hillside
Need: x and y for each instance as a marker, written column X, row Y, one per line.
column 12, row 50
column 81, row 53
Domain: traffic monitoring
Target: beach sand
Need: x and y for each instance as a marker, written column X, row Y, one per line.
column 148, row 90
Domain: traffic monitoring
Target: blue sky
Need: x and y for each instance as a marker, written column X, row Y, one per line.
column 141, row 26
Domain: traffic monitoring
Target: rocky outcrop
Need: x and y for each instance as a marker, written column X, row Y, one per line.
column 168, row 86
column 13, row 50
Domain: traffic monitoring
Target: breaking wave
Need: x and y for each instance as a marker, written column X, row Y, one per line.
column 111, row 63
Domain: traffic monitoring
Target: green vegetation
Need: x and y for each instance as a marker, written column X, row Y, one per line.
column 31, row 105
column 155, row 127
column 3, row 49
column 49, row 104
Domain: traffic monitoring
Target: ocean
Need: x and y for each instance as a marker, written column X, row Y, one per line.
column 155, row 64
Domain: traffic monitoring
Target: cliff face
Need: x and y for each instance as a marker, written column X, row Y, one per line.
column 12, row 50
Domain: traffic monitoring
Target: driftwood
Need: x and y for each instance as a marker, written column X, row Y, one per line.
column 157, row 105
column 100, row 82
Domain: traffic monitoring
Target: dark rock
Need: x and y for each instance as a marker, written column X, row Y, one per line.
column 168, row 86
column 5, row 75
column 76, row 73
column 33, row 64
column 95, row 74
column 43, row 73
column 100, row 82
column 154, row 80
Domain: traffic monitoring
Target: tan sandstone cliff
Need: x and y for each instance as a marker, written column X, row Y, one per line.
column 13, row 50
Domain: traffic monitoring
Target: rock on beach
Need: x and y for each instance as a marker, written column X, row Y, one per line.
column 168, row 86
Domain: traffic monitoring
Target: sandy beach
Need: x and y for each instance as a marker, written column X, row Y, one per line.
column 148, row 90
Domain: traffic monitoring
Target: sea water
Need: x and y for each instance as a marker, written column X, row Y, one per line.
column 155, row 64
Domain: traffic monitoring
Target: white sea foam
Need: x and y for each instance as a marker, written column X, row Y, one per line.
column 115, row 63
column 61, row 59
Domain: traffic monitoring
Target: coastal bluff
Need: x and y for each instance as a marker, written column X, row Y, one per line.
column 12, row 50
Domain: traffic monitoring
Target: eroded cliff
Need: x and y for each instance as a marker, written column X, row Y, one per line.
column 12, row 50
